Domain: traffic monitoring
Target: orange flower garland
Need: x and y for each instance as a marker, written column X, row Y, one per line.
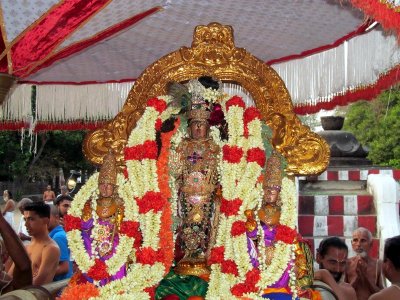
column 166, row 238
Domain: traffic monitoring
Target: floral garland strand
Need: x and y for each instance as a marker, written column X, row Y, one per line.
column 156, row 253
column 285, row 237
column 129, row 235
column 143, row 202
column 242, row 161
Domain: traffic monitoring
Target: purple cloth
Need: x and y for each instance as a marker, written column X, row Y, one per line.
column 269, row 237
column 86, row 232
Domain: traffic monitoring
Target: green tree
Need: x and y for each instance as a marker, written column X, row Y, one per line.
column 376, row 124
column 55, row 150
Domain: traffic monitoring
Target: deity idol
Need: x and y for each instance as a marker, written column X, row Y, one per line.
column 197, row 178
column 100, row 231
column 262, row 246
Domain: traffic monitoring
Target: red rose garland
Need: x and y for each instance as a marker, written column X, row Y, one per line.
column 230, row 207
column 149, row 256
column 158, row 104
column 151, row 201
column 131, row 229
column 249, row 285
column 235, row 101
column 98, row 271
column 216, row 255
column 238, row 228
column 250, row 114
column 285, row 234
column 147, row 150
column 229, row 267
column 256, row 155
column 232, row 154
column 71, row 223
column 158, row 124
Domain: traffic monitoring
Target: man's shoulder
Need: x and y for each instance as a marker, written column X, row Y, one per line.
column 50, row 246
column 389, row 293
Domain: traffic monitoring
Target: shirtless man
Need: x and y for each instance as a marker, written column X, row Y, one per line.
column 48, row 195
column 363, row 272
column 391, row 269
column 43, row 251
column 332, row 256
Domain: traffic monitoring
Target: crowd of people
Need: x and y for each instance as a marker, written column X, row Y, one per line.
column 36, row 252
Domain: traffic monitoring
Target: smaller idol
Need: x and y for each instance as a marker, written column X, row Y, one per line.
column 100, row 231
column 264, row 239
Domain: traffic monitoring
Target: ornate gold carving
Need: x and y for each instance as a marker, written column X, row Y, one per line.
column 213, row 53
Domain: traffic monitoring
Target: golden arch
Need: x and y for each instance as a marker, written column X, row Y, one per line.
column 213, row 53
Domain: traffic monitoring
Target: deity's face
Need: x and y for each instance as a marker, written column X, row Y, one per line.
column 361, row 242
column 198, row 129
column 106, row 189
column 271, row 195
column 334, row 261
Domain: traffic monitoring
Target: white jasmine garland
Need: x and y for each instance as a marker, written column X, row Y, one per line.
column 75, row 240
column 87, row 192
column 144, row 129
column 239, row 181
column 279, row 263
column 216, row 136
column 151, row 227
column 234, row 117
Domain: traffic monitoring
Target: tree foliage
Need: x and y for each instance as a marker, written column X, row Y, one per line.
column 55, row 150
column 376, row 124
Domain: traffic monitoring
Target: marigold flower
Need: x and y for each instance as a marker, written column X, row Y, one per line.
column 80, row 291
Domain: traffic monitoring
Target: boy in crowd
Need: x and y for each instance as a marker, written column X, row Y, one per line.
column 42, row 251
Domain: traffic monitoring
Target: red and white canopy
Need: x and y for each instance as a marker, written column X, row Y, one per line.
column 85, row 55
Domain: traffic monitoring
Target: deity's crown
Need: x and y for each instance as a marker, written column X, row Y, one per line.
column 273, row 172
column 108, row 170
column 203, row 98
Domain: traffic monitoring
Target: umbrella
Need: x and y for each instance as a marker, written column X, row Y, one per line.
column 84, row 56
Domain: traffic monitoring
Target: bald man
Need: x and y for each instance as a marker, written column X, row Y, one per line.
column 363, row 272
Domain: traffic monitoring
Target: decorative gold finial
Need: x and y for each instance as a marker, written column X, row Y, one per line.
column 273, row 172
column 108, row 170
